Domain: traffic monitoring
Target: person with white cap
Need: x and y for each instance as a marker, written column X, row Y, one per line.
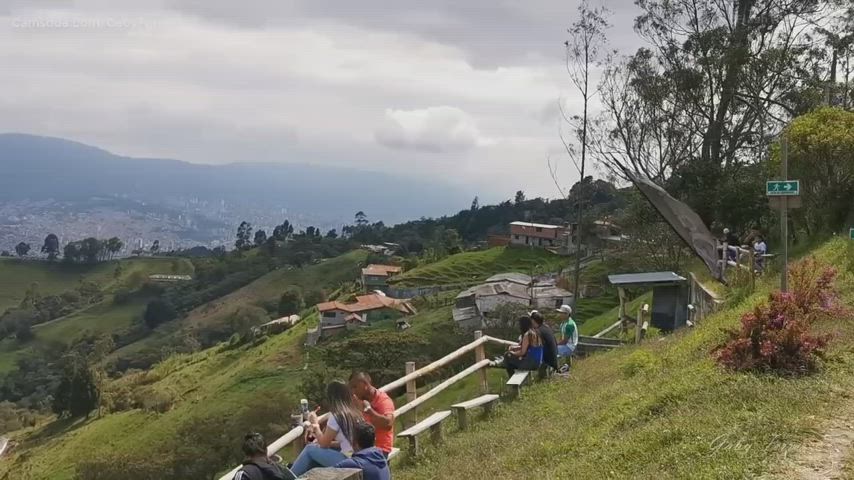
column 568, row 335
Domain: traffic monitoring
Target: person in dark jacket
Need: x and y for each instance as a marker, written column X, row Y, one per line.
column 367, row 457
column 549, row 342
column 258, row 465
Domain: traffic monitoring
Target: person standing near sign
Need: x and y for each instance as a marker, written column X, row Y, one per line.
column 759, row 251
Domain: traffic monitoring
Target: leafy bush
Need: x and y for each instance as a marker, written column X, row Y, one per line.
column 775, row 337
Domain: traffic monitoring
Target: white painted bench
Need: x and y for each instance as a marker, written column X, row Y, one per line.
column 485, row 401
column 519, row 378
column 432, row 423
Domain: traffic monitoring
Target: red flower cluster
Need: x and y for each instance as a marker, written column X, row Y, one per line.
column 775, row 337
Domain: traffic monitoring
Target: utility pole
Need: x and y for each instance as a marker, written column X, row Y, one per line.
column 784, row 216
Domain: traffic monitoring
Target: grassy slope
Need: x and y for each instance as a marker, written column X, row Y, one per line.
column 57, row 278
column 16, row 276
column 210, row 383
column 471, row 267
column 661, row 410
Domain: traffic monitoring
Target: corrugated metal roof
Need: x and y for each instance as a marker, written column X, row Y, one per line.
column 645, row 278
column 536, row 225
column 511, row 276
column 381, row 270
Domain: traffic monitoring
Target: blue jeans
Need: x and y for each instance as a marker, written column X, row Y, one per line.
column 313, row 456
column 565, row 350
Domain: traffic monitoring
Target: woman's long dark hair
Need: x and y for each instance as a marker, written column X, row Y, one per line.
column 341, row 406
column 525, row 324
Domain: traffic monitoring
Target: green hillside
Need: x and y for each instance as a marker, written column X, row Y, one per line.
column 16, row 276
column 219, row 384
column 470, row 267
column 660, row 410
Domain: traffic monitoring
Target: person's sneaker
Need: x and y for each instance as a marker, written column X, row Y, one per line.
column 564, row 369
column 496, row 361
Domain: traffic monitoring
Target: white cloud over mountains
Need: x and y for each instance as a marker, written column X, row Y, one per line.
column 432, row 129
column 456, row 91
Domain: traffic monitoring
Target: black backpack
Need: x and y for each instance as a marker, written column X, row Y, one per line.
column 271, row 471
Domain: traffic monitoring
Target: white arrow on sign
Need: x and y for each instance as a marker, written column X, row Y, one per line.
column 788, row 186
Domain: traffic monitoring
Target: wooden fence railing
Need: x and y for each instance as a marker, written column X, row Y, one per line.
column 295, row 435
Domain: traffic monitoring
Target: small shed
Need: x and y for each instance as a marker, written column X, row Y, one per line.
column 669, row 296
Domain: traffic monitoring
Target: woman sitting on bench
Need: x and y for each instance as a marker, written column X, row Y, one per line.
column 335, row 442
column 528, row 355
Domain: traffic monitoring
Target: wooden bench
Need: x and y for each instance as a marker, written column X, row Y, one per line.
column 432, row 423
column 519, row 378
column 333, row 474
column 485, row 401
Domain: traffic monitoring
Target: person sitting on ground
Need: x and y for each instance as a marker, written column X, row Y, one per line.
column 378, row 409
column 334, row 443
column 368, row 458
column 548, row 337
column 257, row 465
column 568, row 336
column 528, row 355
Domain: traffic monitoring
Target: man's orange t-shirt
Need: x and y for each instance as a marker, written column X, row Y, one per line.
column 382, row 404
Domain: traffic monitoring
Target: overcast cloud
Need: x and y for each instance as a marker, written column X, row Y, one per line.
column 459, row 91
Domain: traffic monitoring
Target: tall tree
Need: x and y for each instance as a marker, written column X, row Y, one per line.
column 77, row 393
column 361, row 219
column 475, row 204
column 332, row 234
column 284, row 231
column 260, row 238
column 719, row 77
column 584, row 51
column 520, row 197
column 114, row 245
column 22, row 249
column 244, row 236
column 51, row 246
column 155, row 247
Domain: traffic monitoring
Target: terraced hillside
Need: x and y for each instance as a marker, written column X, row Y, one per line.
column 471, row 267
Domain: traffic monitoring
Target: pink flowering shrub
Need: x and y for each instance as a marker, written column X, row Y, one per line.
column 775, row 337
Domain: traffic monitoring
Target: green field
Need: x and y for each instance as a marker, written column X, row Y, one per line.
column 660, row 410
column 471, row 267
column 16, row 276
column 55, row 278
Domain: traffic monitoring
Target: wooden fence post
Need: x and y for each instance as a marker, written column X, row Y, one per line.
column 411, row 395
column 622, row 294
column 638, row 325
column 724, row 260
column 480, row 354
column 752, row 259
column 299, row 443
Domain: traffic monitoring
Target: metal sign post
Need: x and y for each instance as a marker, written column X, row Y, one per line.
column 783, row 195
column 784, row 216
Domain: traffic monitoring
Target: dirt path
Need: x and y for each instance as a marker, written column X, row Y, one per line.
column 822, row 457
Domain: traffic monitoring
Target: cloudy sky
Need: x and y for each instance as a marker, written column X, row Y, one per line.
column 461, row 91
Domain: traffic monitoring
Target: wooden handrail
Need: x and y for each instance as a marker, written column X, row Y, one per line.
column 298, row 431
column 443, row 361
column 438, row 388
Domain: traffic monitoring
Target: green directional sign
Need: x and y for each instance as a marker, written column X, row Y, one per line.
column 782, row 188
column 851, row 233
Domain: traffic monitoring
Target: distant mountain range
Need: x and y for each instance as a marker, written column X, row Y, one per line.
column 38, row 168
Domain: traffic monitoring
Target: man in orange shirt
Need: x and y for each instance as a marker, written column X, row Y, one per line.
column 378, row 409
